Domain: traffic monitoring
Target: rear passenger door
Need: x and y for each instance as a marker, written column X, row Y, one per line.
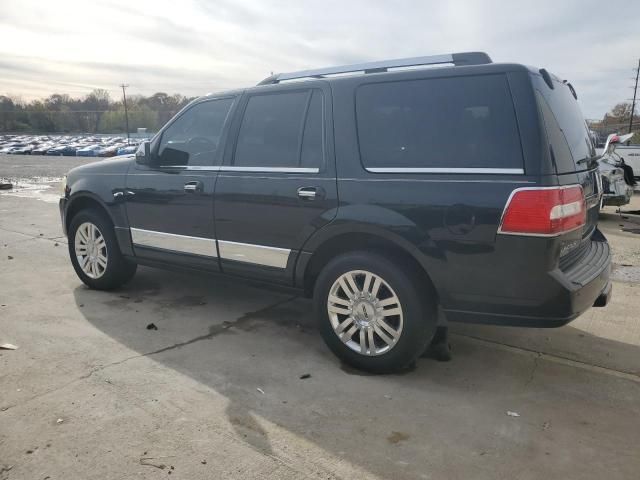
column 277, row 184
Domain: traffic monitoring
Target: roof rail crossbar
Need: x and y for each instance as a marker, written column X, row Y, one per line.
column 457, row 59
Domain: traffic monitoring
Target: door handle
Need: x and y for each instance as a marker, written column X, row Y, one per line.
column 193, row 187
column 310, row 193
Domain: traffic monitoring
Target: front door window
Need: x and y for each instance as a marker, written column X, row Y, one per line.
column 194, row 137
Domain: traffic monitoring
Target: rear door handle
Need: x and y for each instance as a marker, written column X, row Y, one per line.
column 193, row 187
column 310, row 193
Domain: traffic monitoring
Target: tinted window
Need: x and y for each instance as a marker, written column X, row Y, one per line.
column 194, row 137
column 273, row 128
column 566, row 128
column 461, row 122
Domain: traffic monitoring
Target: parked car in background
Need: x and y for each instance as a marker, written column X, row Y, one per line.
column 630, row 154
column 127, row 150
column 9, row 147
column 89, row 151
column 26, row 150
column 16, row 148
column 397, row 199
column 41, row 149
column 91, row 145
column 60, row 150
column 617, row 177
column 109, row 151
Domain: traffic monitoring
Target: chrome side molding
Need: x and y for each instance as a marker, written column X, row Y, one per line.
column 197, row 168
column 256, row 254
column 239, row 252
column 176, row 243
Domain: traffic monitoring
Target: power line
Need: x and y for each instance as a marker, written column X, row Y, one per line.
column 126, row 112
column 633, row 103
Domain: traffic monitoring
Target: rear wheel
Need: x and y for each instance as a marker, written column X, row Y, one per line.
column 94, row 252
column 372, row 313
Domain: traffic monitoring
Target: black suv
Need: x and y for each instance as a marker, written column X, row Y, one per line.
column 398, row 198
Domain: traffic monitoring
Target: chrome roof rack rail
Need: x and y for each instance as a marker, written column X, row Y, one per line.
column 457, row 59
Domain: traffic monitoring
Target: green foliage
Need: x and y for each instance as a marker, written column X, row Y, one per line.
column 95, row 113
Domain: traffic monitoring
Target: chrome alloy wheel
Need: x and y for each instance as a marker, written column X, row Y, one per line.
column 365, row 312
column 91, row 250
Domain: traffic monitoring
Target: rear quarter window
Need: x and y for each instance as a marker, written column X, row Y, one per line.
column 444, row 123
column 567, row 131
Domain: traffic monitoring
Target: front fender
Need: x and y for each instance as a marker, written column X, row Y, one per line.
column 108, row 195
column 104, row 182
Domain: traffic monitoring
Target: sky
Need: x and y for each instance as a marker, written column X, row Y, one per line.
column 194, row 47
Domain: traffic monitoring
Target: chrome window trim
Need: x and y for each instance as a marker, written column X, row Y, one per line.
column 492, row 171
column 271, row 169
column 194, row 168
column 204, row 168
column 254, row 254
column 171, row 241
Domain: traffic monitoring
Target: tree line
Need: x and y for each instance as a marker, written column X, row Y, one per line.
column 617, row 121
column 97, row 112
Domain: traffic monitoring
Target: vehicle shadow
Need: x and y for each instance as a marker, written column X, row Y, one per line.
column 256, row 347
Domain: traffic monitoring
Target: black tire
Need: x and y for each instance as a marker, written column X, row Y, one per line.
column 416, row 299
column 118, row 270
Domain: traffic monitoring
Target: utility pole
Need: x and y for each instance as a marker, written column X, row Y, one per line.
column 633, row 103
column 126, row 112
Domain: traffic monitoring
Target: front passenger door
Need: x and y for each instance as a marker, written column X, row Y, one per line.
column 170, row 200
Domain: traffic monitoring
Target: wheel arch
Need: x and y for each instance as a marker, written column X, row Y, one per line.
column 85, row 200
column 82, row 201
column 361, row 238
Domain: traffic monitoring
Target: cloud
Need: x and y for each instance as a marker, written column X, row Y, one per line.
column 198, row 46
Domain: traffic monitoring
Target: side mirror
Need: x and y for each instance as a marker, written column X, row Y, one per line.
column 143, row 154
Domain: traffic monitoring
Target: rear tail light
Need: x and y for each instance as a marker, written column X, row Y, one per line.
column 544, row 211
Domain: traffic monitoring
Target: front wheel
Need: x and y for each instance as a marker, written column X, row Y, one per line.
column 94, row 252
column 374, row 314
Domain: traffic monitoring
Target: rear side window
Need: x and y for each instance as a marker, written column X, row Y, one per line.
column 460, row 122
column 281, row 130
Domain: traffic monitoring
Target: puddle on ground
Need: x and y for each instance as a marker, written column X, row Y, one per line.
column 40, row 188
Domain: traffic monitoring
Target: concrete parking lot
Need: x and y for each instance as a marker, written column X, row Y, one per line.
column 216, row 391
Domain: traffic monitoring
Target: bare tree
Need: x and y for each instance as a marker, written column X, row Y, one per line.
column 98, row 102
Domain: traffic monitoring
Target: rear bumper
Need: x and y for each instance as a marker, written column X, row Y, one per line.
column 617, row 192
column 616, row 201
column 570, row 292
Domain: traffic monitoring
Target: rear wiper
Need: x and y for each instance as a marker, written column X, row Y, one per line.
column 587, row 160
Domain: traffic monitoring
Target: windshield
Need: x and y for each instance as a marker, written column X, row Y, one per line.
column 567, row 131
